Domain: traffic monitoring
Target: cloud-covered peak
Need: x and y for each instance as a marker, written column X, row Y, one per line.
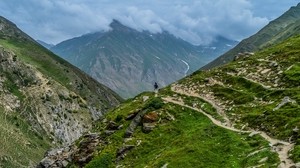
column 197, row 21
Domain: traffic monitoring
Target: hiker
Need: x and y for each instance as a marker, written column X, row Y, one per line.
column 155, row 86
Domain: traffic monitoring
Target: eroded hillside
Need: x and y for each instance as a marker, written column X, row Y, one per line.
column 44, row 101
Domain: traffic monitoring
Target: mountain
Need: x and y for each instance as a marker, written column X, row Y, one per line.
column 129, row 61
column 243, row 114
column 276, row 31
column 46, row 45
column 44, row 100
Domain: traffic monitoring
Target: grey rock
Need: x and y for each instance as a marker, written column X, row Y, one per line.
column 148, row 127
column 46, row 162
column 134, row 123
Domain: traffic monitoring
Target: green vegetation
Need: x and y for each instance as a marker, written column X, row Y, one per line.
column 18, row 138
column 191, row 140
column 103, row 161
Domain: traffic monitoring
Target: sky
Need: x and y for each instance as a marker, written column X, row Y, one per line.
column 196, row 21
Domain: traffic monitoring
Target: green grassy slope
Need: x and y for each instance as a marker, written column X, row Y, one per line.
column 191, row 140
column 18, row 139
column 259, row 92
column 252, row 89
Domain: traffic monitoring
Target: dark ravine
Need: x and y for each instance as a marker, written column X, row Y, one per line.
column 129, row 61
column 44, row 100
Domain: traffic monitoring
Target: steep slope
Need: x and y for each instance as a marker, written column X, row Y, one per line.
column 244, row 114
column 276, row 31
column 129, row 61
column 44, row 100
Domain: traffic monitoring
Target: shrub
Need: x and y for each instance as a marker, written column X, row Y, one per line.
column 103, row 161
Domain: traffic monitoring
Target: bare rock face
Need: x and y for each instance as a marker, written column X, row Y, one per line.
column 63, row 156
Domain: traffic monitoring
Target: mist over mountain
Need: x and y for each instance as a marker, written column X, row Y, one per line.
column 130, row 61
column 278, row 30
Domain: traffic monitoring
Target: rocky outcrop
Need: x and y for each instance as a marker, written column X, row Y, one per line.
column 79, row 155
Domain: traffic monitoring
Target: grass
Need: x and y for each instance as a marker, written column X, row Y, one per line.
column 20, row 144
column 191, row 140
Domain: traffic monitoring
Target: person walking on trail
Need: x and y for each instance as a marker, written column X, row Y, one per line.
column 155, row 86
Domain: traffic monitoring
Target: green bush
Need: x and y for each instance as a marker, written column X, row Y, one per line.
column 103, row 161
column 154, row 103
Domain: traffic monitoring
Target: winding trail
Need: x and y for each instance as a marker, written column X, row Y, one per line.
column 282, row 148
column 216, row 122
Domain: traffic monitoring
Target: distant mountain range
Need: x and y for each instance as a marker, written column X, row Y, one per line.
column 278, row 30
column 129, row 61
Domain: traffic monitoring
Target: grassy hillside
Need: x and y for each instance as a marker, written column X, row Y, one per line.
column 44, row 101
column 244, row 114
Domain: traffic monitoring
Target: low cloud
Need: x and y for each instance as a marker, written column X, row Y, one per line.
column 195, row 21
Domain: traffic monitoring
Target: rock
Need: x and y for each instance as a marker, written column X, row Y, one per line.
column 265, row 71
column 170, row 117
column 273, row 64
column 128, row 133
column 123, row 150
column 150, row 117
column 131, row 116
column 148, row 127
column 46, row 162
column 263, row 160
column 112, row 126
column 109, row 132
column 165, row 165
column 297, row 165
column 134, row 123
column 145, row 98
column 253, row 133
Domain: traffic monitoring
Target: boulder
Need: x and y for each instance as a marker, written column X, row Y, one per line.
column 148, row 127
column 150, row 117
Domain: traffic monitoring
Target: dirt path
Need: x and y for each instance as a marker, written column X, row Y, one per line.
column 280, row 147
column 220, row 111
column 256, row 82
column 216, row 122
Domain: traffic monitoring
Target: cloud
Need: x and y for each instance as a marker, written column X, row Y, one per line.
column 196, row 21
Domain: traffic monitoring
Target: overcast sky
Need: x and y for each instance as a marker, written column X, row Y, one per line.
column 196, row 21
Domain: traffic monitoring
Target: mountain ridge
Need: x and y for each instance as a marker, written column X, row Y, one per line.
column 130, row 61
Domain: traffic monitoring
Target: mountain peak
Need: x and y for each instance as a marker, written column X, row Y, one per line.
column 118, row 26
